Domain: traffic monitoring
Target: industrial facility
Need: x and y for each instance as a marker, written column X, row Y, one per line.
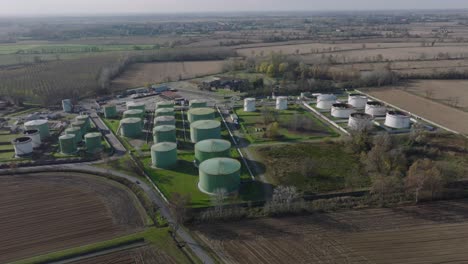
column 340, row 110
column 205, row 129
column 164, row 133
column 375, row 108
column 35, row 137
column 23, row 146
column 212, row 148
column 164, row 155
column 131, row 127
column 164, row 120
column 164, row 112
column 360, row 121
column 325, row 101
column 249, row 105
column 197, row 103
column 68, row 144
column 41, row 125
column 397, row 119
column 219, row 174
column 358, row 101
column 202, row 113
column 281, row 103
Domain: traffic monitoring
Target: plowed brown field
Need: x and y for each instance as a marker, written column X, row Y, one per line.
column 432, row 233
column 142, row 255
column 42, row 213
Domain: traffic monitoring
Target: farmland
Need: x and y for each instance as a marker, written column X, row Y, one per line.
column 54, row 212
column 420, row 234
column 140, row 74
column 451, row 92
column 439, row 113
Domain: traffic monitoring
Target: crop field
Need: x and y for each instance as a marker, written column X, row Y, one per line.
column 431, row 233
column 53, row 212
column 444, row 91
column 434, row 111
column 141, row 255
column 139, row 74
column 295, row 124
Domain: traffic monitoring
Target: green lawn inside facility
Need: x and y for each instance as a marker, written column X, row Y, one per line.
column 295, row 124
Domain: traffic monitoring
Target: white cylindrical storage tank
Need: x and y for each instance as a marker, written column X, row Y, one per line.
column 67, row 105
column 35, row 137
column 358, row 101
column 340, row 110
column 281, row 103
column 375, row 108
column 41, row 124
column 360, row 121
column 397, row 119
column 249, row 105
column 325, row 101
column 23, row 146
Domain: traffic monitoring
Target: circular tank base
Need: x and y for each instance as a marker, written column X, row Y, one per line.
column 212, row 194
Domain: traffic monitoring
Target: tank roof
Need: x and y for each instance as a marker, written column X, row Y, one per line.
column 37, row 122
column 164, row 118
column 201, row 111
column 213, row 145
column 342, row 105
column 133, row 111
column 375, row 103
column 67, row 136
column 398, row 113
column 220, row 166
column 164, row 146
column 93, row 134
column 205, row 124
column 249, row 99
column 357, row 95
column 132, row 103
column 31, row 131
column 198, row 101
column 110, row 105
column 72, row 129
column 360, row 115
column 78, row 123
column 163, row 110
column 165, row 103
column 164, row 128
column 131, row 120
column 82, row 116
column 21, row 140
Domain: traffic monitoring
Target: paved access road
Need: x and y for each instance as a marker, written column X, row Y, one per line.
column 111, row 138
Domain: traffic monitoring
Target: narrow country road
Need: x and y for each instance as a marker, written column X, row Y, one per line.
column 111, row 138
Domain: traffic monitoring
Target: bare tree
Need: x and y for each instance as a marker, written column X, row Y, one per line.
column 385, row 186
column 218, row 200
column 178, row 205
column 282, row 200
column 423, row 175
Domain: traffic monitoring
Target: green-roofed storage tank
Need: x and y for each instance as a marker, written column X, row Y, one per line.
column 203, row 113
column 110, row 111
column 205, row 129
column 138, row 113
column 41, row 124
column 76, row 131
column 93, row 142
column 197, row 103
column 164, row 133
column 164, row 155
column 81, row 125
column 67, row 144
column 164, row 104
column 219, row 173
column 212, row 148
column 164, row 120
column 131, row 127
column 84, row 118
column 136, row 105
column 164, row 112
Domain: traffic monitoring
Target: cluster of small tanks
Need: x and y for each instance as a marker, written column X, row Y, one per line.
column 281, row 104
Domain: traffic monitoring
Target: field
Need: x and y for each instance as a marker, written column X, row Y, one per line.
column 432, row 233
column 141, row 73
column 54, row 212
column 439, row 113
column 292, row 123
column 444, row 91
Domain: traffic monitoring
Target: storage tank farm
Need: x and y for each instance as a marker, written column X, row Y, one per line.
column 325, row 101
column 67, row 105
column 164, row 155
column 136, row 105
column 197, row 103
column 281, row 103
column 360, row 121
column 67, row 144
column 93, row 142
column 84, row 118
column 81, row 125
column 76, row 131
column 164, row 120
column 23, row 146
column 212, row 148
column 219, row 173
column 164, row 112
column 164, row 104
column 131, row 127
column 397, row 119
column 110, row 111
column 249, row 105
column 340, row 110
column 164, row 133
column 202, row 113
column 35, row 137
column 375, row 109
column 358, row 101
column 41, row 124
column 205, row 129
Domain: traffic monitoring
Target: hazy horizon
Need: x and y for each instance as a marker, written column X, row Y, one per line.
column 108, row 7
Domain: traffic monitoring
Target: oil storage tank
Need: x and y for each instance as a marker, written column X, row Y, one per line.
column 281, row 103
column 219, row 173
column 360, row 121
column 205, row 129
column 164, row 112
column 202, row 113
column 340, row 110
column 76, row 131
column 67, row 105
column 67, row 144
column 35, row 137
column 131, row 127
column 138, row 113
column 325, row 101
column 110, row 111
column 397, row 119
column 196, row 103
column 164, row 120
column 212, row 148
column 136, row 105
column 358, row 101
column 93, row 142
column 375, row 108
column 164, row 104
column 41, row 124
column 84, row 118
column 23, row 146
column 164, row 155
column 164, row 133
column 81, row 125
column 249, row 105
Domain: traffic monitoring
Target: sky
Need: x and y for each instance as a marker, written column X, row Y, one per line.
column 65, row 7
